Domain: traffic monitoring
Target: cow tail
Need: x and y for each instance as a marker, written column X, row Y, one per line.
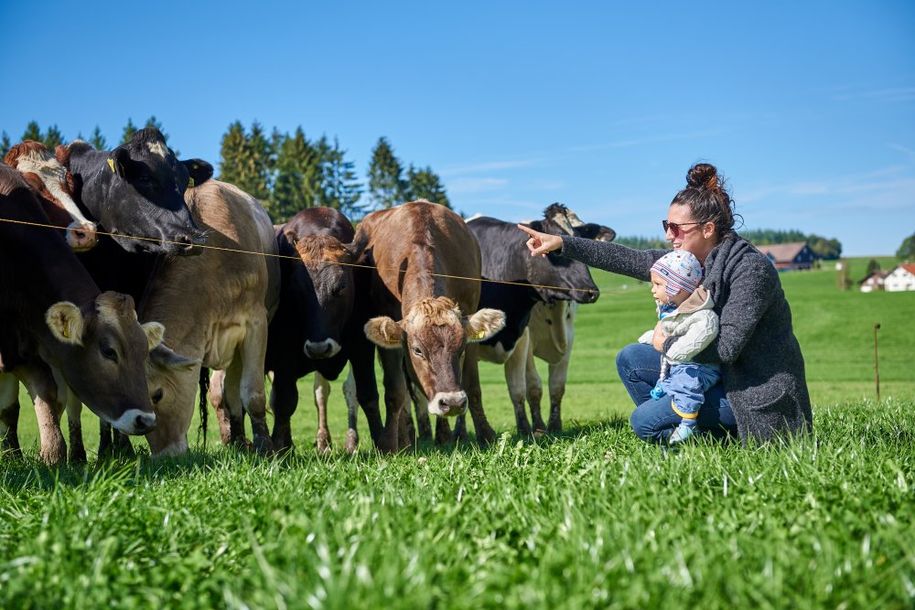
column 204, row 388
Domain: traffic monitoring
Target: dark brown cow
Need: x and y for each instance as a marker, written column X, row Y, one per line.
column 56, row 323
column 421, row 252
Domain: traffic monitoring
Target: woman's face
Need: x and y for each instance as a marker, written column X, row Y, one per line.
column 684, row 232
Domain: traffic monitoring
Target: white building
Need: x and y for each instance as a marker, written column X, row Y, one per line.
column 901, row 278
column 875, row 281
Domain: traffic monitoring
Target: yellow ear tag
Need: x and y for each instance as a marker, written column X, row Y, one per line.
column 111, row 165
column 190, row 182
column 480, row 335
column 65, row 332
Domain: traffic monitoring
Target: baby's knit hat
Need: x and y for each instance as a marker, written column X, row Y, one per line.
column 681, row 269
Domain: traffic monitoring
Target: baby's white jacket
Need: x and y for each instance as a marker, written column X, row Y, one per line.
column 694, row 323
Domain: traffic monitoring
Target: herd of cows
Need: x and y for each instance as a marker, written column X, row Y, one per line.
column 126, row 276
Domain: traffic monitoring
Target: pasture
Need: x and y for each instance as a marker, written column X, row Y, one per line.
column 592, row 518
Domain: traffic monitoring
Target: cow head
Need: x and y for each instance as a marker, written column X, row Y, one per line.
column 554, row 276
column 433, row 334
column 136, row 192
column 54, row 185
column 173, row 383
column 324, row 290
column 590, row 230
column 101, row 350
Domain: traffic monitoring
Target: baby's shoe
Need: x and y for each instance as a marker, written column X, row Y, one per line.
column 681, row 434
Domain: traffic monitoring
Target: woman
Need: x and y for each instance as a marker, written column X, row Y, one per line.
column 763, row 392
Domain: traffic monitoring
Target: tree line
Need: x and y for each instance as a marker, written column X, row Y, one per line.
column 288, row 172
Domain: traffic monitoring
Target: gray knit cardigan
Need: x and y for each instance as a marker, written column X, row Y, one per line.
column 761, row 362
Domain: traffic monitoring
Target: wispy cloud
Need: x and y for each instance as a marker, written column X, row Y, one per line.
column 628, row 143
column 488, row 166
column 886, row 94
column 908, row 152
column 463, row 186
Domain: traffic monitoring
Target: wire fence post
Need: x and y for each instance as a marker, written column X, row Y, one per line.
column 876, row 362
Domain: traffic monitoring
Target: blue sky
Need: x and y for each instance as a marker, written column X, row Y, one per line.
column 807, row 108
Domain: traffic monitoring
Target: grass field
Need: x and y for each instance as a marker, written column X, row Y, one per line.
column 593, row 518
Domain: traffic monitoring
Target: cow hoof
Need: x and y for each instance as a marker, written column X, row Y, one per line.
column 263, row 445
column 322, row 442
column 53, row 457
column 555, row 426
column 77, row 455
column 352, row 441
column 486, row 437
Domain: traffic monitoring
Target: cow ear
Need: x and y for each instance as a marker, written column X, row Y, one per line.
column 483, row 324
column 163, row 356
column 66, row 322
column 199, row 171
column 119, row 161
column 154, row 333
column 384, row 332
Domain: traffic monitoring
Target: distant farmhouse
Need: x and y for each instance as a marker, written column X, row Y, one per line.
column 875, row 281
column 785, row 257
column 901, row 278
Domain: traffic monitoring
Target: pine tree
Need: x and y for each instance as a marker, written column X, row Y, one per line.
column 425, row 184
column 297, row 181
column 52, row 137
column 32, row 132
column 129, row 130
column 339, row 186
column 5, row 143
column 247, row 160
column 231, row 152
column 386, row 184
column 98, row 140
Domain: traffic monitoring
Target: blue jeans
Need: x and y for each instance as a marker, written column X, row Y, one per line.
column 639, row 367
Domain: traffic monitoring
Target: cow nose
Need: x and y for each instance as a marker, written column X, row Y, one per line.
column 144, row 422
column 321, row 349
column 452, row 404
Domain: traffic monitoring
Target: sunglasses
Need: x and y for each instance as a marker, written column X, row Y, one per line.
column 675, row 227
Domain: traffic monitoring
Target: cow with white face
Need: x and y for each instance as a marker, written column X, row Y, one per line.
column 427, row 318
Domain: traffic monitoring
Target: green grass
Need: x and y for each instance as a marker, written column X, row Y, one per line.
column 593, row 518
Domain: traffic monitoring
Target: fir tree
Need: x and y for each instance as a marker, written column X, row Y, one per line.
column 5, row 143
column 386, row 184
column 425, row 184
column 339, row 186
column 297, row 181
column 52, row 137
column 98, row 140
column 246, row 160
column 231, row 152
column 32, row 132
column 129, row 130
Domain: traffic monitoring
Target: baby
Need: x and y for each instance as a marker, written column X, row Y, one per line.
column 685, row 311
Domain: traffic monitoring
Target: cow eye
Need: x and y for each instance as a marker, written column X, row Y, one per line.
column 549, row 322
column 418, row 352
column 108, row 353
column 156, row 396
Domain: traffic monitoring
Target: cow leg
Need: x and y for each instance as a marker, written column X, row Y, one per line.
column 48, row 409
column 471, row 379
column 395, row 398
column 442, row 430
column 75, row 428
column 251, row 381
column 514, row 378
column 362, row 371
column 423, row 423
column 352, row 403
column 559, row 372
column 9, row 415
column 534, row 391
column 284, row 398
column 460, row 429
column 231, row 429
column 105, row 444
column 322, row 392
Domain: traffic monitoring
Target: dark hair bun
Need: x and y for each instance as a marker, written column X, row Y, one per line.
column 702, row 176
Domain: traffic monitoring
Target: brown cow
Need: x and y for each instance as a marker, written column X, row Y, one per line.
column 59, row 329
column 54, row 186
column 422, row 251
column 216, row 308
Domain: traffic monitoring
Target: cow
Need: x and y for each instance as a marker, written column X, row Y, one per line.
column 551, row 333
column 136, row 192
column 519, row 281
column 216, row 308
column 59, row 328
column 54, row 186
column 424, row 292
